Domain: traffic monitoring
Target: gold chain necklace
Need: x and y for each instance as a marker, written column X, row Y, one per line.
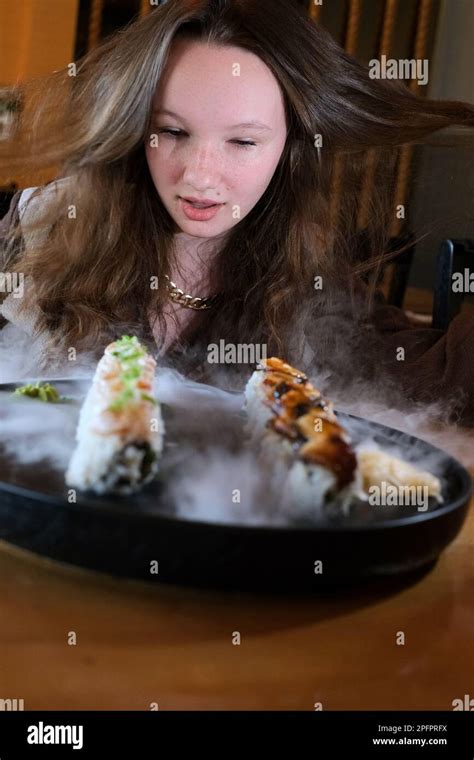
column 189, row 302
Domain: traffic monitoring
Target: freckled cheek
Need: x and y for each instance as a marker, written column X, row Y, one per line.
column 164, row 167
column 253, row 179
column 156, row 156
column 250, row 174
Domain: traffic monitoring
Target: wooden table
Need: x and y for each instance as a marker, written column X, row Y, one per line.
column 138, row 645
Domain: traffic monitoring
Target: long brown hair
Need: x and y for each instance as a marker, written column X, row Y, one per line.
column 93, row 275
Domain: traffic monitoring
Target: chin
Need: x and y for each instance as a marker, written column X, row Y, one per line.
column 199, row 232
column 199, row 229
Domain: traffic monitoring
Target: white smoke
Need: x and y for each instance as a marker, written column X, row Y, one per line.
column 213, row 475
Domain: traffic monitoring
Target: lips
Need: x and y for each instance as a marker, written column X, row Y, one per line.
column 198, row 213
column 201, row 202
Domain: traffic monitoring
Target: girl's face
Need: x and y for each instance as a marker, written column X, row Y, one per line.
column 207, row 148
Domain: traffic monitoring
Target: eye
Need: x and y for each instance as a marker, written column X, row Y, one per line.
column 179, row 133
column 172, row 132
column 244, row 143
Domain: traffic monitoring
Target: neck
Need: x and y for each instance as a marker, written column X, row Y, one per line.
column 190, row 244
column 193, row 256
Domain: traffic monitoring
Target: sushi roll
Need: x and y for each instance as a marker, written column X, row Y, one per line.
column 120, row 429
column 311, row 456
column 298, row 433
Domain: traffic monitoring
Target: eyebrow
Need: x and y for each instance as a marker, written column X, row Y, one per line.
column 250, row 124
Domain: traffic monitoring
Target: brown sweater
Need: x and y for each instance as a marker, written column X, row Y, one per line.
column 438, row 365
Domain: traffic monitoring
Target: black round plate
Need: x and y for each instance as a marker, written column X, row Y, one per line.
column 148, row 537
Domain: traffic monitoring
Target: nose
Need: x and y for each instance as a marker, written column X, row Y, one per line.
column 201, row 168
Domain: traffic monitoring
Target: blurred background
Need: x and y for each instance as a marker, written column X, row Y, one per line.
column 39, row 36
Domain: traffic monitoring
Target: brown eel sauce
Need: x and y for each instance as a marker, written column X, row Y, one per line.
column 307, row 419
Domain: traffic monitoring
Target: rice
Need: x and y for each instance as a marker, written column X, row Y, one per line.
column 120, row 430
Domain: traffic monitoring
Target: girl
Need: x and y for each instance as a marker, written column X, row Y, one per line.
column 195, row 151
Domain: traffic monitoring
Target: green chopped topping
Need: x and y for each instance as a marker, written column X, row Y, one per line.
column 40, row 390
column 131, row 374
column 122, row 398
column 146, row 397
column 128, row 351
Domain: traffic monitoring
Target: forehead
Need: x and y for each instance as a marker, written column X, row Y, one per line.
column 224, row 85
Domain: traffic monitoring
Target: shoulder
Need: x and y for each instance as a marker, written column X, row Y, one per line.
column 9, row 248
column 33, row 200
column 31, row 205
column 12, row 214
column 23, row 202
column 25, row 206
